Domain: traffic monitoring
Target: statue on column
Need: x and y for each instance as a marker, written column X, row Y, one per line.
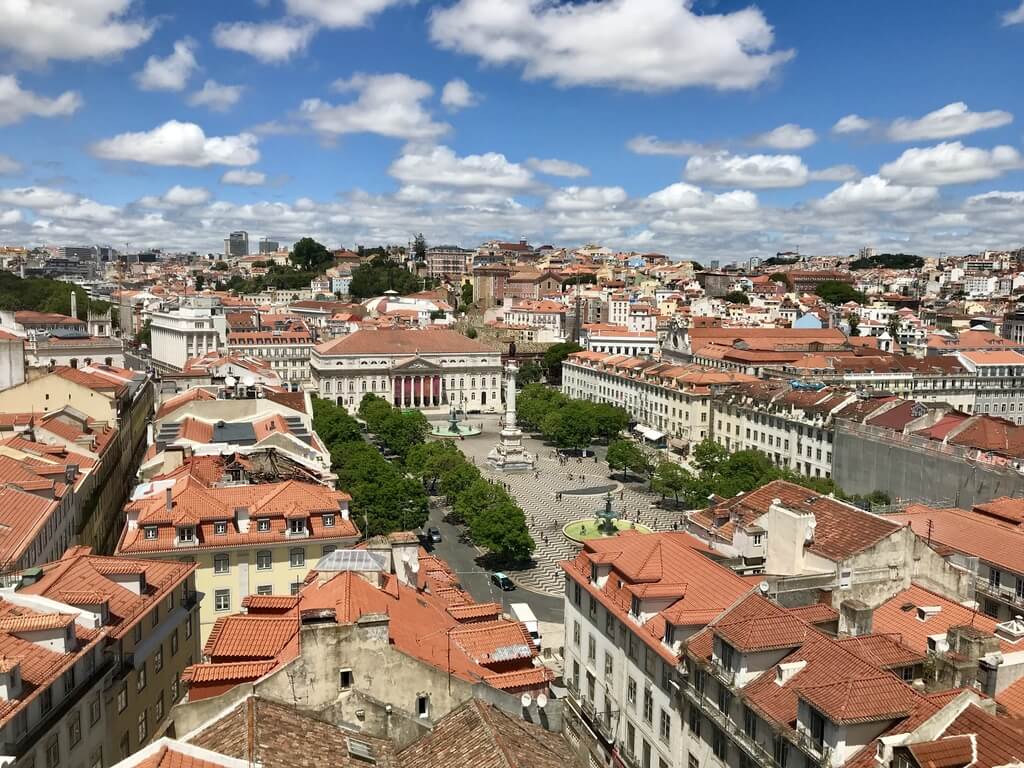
column 509, row 455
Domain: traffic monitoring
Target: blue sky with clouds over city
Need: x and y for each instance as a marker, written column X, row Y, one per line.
column 699, row 129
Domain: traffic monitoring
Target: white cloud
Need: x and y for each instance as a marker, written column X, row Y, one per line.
column 390, row 105
column 36, row 197
column 70, row 30
column 851, row 124
column 954, row 119
column 652, row 145
column 270, row 42
column 170, row 73
column 788, row 136
column 177, row 196
column 585, row 198
column 244, row 178
column 875, row 193
column 7, row 218
column 951, row 163
column 759, row 171
column 16, row 103
column 457, row 94
column 997, row 198
column 9, row 166
column 176, row 143
column 216, row 96
column 441, row 166
column 554, row 167
column 836, row 173
column 86, row 210
column 633, row 44
column 339, row 13
column 1014, row 16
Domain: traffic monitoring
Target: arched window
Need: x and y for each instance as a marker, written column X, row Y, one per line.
column 462, row 383
column 327, row 387
column 363, row 384
column 472, row 382
column 351, row 386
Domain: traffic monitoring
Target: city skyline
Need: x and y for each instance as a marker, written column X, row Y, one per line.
column 701, row 130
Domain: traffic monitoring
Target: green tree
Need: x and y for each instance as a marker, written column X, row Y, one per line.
column 200, row 281
column 570, row 427
column 623, row 455
column 609, row 420
column 333, row 424
column 744, row 471
column 419, row 248
column 554, row 356
column 145, row 334
column 502, row 530
column 432, row 461
column 219, row 266
column 379, row 275
column 671, row 479
column 310, row 256
column 455, row 482
column 373, row 409
column 836, row 292
column 736, row 297
column 476, row 495
column 471, row 332
column 647, row 465
column 389, row 503
column 529, row 373
column 534, row 403
column 401, row 430
column 467, row 294
column 854, row 322
column 781, row 277
column 709, row 456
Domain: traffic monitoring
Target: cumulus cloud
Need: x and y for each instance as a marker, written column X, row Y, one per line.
column 244, row 178
column 585, row 198
column 954, row 119
column 875, row 193
column 723, row 169
column 216, row 96
column 271, row 42
column 176, row 143
column 177, row 196
column 652, row 145
column 1014, row 16
column 951, row 163
column 667, row 46
column 9, row 166
column 851, row 124
column 457, row 94
column 788, row 136
column 555, row 167
column 339, row 13
column 70, row 30
column 836, row 173
column 40, row 198
column 16, row 103
column 170, row 73
column 8, row 218
column 390, row 105
column 441, row 166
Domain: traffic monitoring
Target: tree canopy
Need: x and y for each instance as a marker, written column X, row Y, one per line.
column 379, row 275
column 888, row 261
column 836, row 292
column 554, row 356
column 310, row 256
column 569, row 424
column 41, row 294
column 736, row 297
column 419, row 248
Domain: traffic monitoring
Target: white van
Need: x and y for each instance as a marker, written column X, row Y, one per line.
column 522, row 612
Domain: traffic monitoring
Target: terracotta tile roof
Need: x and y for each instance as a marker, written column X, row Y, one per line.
column 272, row 735
column 947, row 752
column 862, row 700
column 269, row 603
column 171, row 404
column 999, row 740
column 818, row 613
column 1004, row 508
column 1004, row 357
column 763, row 633
column 1011, row 698
column 474, row 611
column 996, row 435
column 167, row 756
column 884, row 651
column 899, row 615
column 226, row 672
column 988, row 538
column 482, row 736
column 250, row 637
column 841, row 530
column 403, row 342
column 35, row 622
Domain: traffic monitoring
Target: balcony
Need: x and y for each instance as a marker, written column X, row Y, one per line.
column 1004, row 592
column 724, row 675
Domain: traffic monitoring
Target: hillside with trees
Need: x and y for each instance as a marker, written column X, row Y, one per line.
column 888, row 261
column 44, row 295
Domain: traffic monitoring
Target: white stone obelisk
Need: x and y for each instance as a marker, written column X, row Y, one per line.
column 509, row 455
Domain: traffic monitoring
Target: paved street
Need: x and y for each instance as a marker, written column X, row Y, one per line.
column 546, row 516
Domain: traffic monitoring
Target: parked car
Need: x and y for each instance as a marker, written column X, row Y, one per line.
column 502, row 582
column 434, row 535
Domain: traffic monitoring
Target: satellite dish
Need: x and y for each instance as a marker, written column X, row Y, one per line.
column 542, row 700
column 763, row 587
column 230, row 381
column 526, row 700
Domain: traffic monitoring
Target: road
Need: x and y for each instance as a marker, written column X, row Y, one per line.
column 461, row 558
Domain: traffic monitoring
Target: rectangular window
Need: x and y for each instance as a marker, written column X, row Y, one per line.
column 222, row 600
column 264, row 589
column 575, row 633
column 188, row 626
column 53, row 752
column 719, row 744
column 631, row 691
column 749, row 722
column 122, row 698
column 665, row 726
column 609, row 624
column 648, row 706
column 74, row 729
column 591, row 648
column 630, row 738
column 143, row 726
column 328, row 521
column 158, row 658
column 694, row 722
column 220, row 528
column 297, row 525
column 264, row 560
column 609, row 664
column 297, row 557
column 151, row 531
column 174, row 641
column 263, row 524
column 140, row 677
column 221, row 564
column 158, row 708
column 95, row 711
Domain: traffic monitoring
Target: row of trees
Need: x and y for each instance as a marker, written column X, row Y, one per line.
column 44, row 295
column 569, row 424
column 382, row 274
column 398, row 430
column 384, row 498
column 493, row 518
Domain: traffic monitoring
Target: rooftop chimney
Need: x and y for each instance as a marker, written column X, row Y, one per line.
column 169, row 499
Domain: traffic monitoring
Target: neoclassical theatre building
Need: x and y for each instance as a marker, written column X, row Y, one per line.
column 410, row 368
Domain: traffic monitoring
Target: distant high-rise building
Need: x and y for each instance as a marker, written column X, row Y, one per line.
column 79, row 252
column 236, row 244
column 268, row 246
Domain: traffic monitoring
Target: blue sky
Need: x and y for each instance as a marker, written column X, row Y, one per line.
column 698, row 129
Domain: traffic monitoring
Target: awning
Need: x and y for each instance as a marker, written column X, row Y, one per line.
column 649, row 434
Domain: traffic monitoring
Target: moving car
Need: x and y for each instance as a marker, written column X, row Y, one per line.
column 434, row 535
column 522, row 612
column 502, row 581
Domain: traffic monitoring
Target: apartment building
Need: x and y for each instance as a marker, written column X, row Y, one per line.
column 630, row 604
column 448, row 261
column 192, row 330
column 146, row 615
column 540, row 314
column 668, row 399
column 286, row 351
column 619, row 340
column 998, row 382
column 245, row 537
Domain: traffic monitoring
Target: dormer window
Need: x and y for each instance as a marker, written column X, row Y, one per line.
column 263, row 524
column 593, row 573
column 634, row 606
column 669, row 633
column 328, row 521
column 150, row 532
column 297, row 526
column 728, row 656
column 220, row 528
column 187, row 534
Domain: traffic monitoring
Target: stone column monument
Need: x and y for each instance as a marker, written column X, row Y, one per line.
column 509, row 455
